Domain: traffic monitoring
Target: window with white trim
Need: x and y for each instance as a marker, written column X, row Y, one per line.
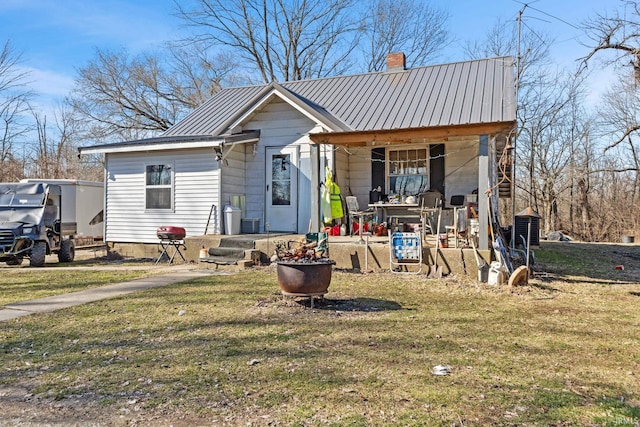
column 408, row 170
column 159, row 187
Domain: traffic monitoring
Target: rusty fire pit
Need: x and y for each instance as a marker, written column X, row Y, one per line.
column 306, row 279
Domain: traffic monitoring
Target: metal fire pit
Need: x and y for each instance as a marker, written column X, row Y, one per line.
column 305, row 279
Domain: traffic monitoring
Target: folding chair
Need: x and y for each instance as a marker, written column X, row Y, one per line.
column 405, row 249
column 429, row 202
column 353, row 210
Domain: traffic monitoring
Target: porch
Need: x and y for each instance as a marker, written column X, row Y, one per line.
column 371, row 254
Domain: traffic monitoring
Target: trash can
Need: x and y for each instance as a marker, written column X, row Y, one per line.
column 232, row 217
column 522, row 221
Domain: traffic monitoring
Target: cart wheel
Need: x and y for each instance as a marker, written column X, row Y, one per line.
column 38, row 254
column 67, row 251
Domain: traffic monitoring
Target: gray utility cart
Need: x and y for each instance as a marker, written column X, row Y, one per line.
column 30, row 224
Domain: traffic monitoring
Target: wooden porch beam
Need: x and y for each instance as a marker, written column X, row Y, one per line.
column 406, row 136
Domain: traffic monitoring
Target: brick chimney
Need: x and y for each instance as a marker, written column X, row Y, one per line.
column 396, row 61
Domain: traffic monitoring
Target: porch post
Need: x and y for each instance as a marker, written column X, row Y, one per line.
column 483, row 197
column 315, row 187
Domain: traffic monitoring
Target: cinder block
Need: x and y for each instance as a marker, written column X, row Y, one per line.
column 243, row 264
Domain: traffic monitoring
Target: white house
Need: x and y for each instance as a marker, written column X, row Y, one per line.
column 266, row 146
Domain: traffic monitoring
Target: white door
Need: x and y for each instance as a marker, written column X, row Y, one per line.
column 282, row 189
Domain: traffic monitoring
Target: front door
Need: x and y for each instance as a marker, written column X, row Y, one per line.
column 282, row 189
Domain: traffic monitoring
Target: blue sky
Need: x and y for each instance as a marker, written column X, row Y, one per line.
column 56, row 37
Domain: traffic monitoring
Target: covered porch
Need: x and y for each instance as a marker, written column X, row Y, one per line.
column 467, row 164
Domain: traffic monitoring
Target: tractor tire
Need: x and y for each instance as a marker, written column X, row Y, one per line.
column 38, row 254
column 15, row 261
column 67, row 251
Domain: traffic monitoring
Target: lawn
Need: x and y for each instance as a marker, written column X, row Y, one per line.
column 229, row 349
column 17, row 285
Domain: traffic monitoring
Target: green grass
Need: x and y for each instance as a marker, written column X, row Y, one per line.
column 18, row 285
column 561, row 351
column 592, row 262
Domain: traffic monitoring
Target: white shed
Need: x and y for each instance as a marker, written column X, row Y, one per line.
column 82, row 204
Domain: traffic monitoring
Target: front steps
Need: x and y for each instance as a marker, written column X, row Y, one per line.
column 232, row 250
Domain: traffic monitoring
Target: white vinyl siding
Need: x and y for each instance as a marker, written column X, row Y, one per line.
column 196, row 177
column 280, row 125
column 461, row 166
column 232, row 172
column 354, row 173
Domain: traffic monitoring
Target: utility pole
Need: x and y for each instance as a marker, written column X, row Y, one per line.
column 513, row 161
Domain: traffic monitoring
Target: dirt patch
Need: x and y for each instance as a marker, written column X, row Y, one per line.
column 332, row 303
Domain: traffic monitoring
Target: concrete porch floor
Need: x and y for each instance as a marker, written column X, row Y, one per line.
column 371, row 254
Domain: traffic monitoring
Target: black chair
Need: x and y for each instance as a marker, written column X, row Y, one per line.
column 457, row 200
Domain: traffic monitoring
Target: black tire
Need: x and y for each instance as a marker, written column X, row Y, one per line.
column 67, row 251
column 38, row 254
column 15, row 261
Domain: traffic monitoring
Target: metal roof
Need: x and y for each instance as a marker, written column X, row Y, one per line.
column 169, row 142
column 461, row 93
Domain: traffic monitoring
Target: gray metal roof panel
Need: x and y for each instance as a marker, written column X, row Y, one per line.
column 205, row 119
column 477, row 91
column 469, row 90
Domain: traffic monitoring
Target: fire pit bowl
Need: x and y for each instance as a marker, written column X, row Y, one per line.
column 304, row 278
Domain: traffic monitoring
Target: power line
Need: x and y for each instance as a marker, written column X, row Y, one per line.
column 556, row 18
column 547, row 14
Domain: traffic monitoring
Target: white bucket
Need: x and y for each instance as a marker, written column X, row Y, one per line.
column 496, row 275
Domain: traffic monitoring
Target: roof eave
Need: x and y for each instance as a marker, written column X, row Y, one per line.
column 325, row 120
column 171, row 143
column 410, row 135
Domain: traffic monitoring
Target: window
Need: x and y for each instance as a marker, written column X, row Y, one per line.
column 159, row 187
column 408, row 174
column 281, row 179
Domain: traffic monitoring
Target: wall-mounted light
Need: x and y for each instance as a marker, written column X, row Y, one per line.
column 218, row 152
column 255, row 150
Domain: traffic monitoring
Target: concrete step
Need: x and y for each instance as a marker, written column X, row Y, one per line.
column 220, row 260
column 243, row 258
column 227, row 252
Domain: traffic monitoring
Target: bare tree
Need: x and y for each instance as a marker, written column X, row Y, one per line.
column 195, row 76
column 410, row 26
column 55, row 155
column 283, row 39
column 618, row 119
column 531, row 57
column 134, row 97
column 618, row 34
column 14, row 102
column 531, row 63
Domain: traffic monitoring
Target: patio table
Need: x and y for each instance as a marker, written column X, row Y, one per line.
column 387, row 212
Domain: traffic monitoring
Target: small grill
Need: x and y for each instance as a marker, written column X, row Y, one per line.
column 171, row 237
column 170, row 232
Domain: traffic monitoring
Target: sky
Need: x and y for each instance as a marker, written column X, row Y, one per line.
column 57, row 37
